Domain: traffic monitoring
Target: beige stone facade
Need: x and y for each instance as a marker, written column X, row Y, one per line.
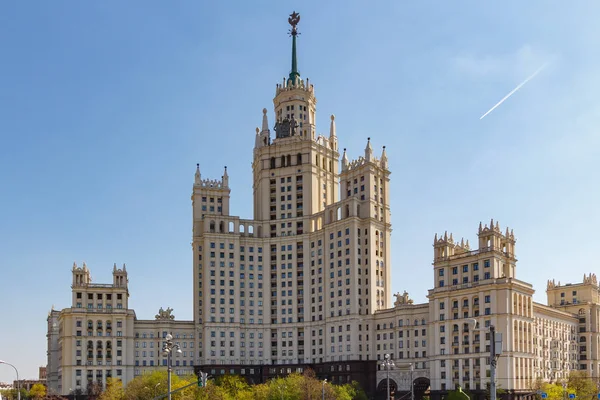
column 306, row 283
column 99, row 337
column 310, row 264
column 583, row 300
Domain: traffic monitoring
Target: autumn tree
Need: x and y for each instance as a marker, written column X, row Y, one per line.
column 147, row 386
column 580, row 383
column 233, row 385
column 554, row 391
column 113, row 391
column 37, row 391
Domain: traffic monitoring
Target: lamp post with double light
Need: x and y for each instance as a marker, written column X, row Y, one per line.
column 168, row 348
column 324, row 382
column 387, row 364
column 18, row 382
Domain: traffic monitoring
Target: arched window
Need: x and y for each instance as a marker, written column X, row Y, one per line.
column 317, row 160
column 283, row 161
column 299, row 159
column 221, row 227
column 231, row 227
column 289, row 160
column 272, row 162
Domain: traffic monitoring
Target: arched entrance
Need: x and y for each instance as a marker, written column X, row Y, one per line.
column 421, row 386
column 382, row 388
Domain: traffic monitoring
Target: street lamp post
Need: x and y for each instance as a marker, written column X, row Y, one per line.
column 18, row 382
column 493, row 362
column 324, row 382
column 494, row 354
column 387, row 364
column 412, row 383
column 168, row 349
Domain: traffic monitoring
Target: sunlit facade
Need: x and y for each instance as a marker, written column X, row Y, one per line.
column 305, row 283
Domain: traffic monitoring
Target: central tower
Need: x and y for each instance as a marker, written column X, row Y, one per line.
column 297, row 170
column 299, row 283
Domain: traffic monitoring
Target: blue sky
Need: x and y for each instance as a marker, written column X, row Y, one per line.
column 106, row 107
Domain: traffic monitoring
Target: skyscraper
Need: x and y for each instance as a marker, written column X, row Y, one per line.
column 292, row 285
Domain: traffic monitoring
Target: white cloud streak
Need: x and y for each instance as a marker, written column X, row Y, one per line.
column 514, row 90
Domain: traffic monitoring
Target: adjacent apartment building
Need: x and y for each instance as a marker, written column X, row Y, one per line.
column 305, row 284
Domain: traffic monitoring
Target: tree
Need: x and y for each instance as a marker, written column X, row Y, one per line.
column 580, row 383
column 37, row 391
column 211, row 392
column 114, row 390
column 554, row 391
column 93, row 390
column 233, row 385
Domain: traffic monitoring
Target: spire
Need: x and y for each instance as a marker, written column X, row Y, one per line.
column 344, row 161
column 197, row 175
column 480, row 227
column 293, row 21
column 225, row 178
column 265, row 121
column 74, row 265
column 384, row 159
column 368, row 150
column 124, row 268
column 115, row 267
column 332, row 127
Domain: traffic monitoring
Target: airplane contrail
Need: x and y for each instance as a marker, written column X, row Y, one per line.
column 514, row 90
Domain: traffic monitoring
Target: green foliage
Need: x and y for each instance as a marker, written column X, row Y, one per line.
column 553, row 390
column 148, row 386
column 232, row 387
column 580, row 383
column 12, row 394
column 457, row 394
